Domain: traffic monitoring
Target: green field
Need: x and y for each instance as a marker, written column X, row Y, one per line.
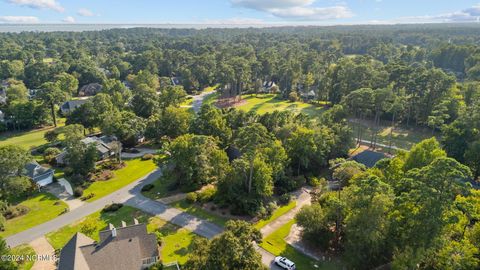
column 43, row 207
column 275, row 244
column 27, row 139
column 268, row 103
column 135, row 169
column 276, row 214
column 23, row 251
column 175, row 242
column 197, row 211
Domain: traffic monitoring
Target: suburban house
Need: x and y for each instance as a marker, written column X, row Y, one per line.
column 309, row 95
column 369, row 158
column 105, row 145
column 90, row 90
column 268, row 86
column 176, row 81
column 124, row 248
column 42, row 176
column 69, row 106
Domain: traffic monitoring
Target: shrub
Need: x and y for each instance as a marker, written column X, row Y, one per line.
column 293, row 96
column 50, row 154
column 89, row 196
column 2, row 223
column 112, row 165
column 314, row 181
column 271, row 206
column 102, row 176
column 112, row 207
column 159, row 237
column 16, row 211
column 207, row 194
column 285, row 199
column 192, row 197
column 147, row 157
column 78, row 192
column 148, row 187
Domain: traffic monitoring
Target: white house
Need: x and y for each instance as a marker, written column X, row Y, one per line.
column 42, row 176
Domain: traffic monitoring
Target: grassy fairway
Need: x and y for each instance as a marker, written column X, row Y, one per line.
column 197, row 211
column 275, row 244
column 43, row 207
column 135, row 169
column 27, row 139
column 262, row 104
column 22, row 251
column 176, row 241
column 276, row 214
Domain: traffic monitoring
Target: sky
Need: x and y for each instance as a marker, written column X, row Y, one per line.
column 241, row 12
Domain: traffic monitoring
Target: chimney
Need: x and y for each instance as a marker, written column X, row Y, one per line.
column 124, row 224
column 110, row 226
column 114, row 232
column 135, row 221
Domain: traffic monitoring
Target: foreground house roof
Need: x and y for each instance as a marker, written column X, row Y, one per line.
column 124, row 248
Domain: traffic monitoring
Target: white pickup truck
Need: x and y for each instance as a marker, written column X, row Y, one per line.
column 284, row 263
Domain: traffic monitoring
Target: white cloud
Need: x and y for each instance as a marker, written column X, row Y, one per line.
column 85, row 12
column 69, row 19
column 467, row 15
column 302, row 10
column 40, row 4
column 18, row 19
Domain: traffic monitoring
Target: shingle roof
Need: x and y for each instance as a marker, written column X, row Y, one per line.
column 36, row 172
column 125, row 251
column 369, row 158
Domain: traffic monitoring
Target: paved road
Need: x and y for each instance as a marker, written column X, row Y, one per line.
column 198, row 100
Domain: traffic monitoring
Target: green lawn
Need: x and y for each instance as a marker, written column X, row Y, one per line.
column 275, row 244
column 266, row 103
column 135, row 169
column 27, row 139
column 176, row 241
column 197, row 211
column 43, row 207
column 162, row 188
column 276, row 214
column 24, row 250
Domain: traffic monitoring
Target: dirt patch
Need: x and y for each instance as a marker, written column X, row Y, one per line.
column 228, row 102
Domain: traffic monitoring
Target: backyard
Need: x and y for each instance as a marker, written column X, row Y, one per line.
column 42, row 208
column 135, row 169
column 27, row 139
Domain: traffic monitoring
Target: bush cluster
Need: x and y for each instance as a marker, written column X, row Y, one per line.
column 112, row 207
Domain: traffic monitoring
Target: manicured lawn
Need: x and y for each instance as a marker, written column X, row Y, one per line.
column 135, row 169
column 262, row 104
column 276, row 214
column 27, row 139
column 175, row 244
column 275, row 244
column 163, row 187
column 24, row 250
column 197, row 211
column 59, row 238
column 176, row 241
column 43, row 207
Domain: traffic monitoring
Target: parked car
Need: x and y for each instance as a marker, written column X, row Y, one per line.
column 284, row 263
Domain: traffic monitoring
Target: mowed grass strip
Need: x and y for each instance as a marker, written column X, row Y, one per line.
column 135, row 169
column 42, row 208
column 282, row 210
column 275, row 243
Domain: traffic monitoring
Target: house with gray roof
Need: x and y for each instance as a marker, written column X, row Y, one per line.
column 71, row 105
column 123, row 248
column 105, row 145
column 40, row 175
column 90, row 90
